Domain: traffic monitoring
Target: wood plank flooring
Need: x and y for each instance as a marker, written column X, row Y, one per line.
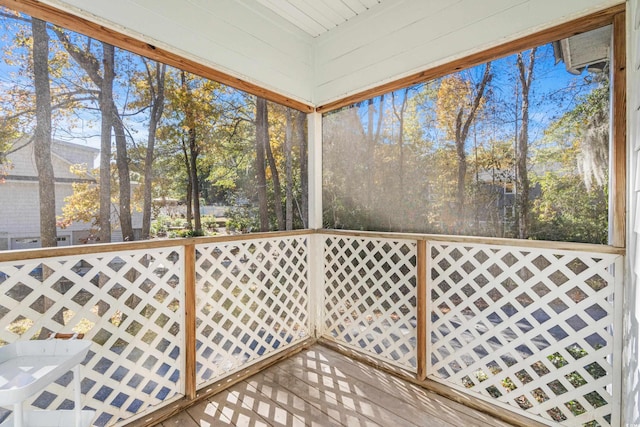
column 320, row 387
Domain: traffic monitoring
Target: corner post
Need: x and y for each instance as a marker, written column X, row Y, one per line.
column 314, row 140
column 315, row 248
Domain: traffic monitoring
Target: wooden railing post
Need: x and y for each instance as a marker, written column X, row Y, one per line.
column 421, row 301
column 316, row 284
column 190, row 320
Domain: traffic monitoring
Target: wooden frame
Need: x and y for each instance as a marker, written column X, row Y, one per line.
column 421, row 301
column 618, row 152
column 190, row 321
column 614, row 16
column 542, row 244
column 26, row 254
column 193, row 396
column 99, row 32
column 567, row 29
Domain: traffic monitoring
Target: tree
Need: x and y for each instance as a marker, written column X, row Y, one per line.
column 191, row 150
column 122, row 158
column 42, row 138
column 83, row 205
column 262, row 139
column 373, row 130
column 192, row 130
column 288, row 152
column 275, row 176
column 105, row 85
column 155, row 79
column 457, row 106
column 573, row 204
column 300, row 135
column 399, row 113
column 525, row 74
column 91, row 65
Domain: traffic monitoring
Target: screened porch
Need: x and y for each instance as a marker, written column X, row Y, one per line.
column 331, row 324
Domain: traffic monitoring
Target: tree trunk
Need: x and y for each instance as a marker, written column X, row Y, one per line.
column 122, row 159
column 156, row 98
column 372, row 139
column 288, row 152
column 401, row 212
column 275, row 177
column 187, row 165
column 124, row 181
column 300, row 131
column 462, row 131
column 42, row 141
column 194, row 151
column 462, row 164
column 262, row 137
column 370, row 159
column 106, row 117
column 525, row 72
column 195, row 185
column 110, row 119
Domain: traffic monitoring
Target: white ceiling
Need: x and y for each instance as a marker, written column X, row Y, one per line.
column 316, row 17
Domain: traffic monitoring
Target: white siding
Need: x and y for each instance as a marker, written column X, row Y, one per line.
column 631, row 353
column 241, row 37
column 64, row 155
column 402, row 37
column 20, row 200
column 20, row 208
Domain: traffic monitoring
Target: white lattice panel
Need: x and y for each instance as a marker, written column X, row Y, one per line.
column 130, row 304
column 251, row 301
column 530, row 328
column 370, row 296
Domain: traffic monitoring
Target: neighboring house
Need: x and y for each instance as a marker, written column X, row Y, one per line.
column 20, row 207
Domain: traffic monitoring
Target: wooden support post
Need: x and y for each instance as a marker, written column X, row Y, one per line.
column 316, row 284
column 314, row 141
column 618, row 175
column 190, row 321
column 421, row 301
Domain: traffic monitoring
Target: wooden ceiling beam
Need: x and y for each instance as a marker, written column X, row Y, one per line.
column 100, row 32
column 558, row 32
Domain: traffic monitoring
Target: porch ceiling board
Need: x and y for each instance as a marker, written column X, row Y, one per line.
column 319, row 16
column 403, row 37
column 237, row 37
column 317, row 52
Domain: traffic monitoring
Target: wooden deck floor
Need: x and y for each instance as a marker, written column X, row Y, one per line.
column 320, row 387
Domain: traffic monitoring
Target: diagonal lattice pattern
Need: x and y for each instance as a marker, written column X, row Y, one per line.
column 370, row 296
column 251, row 301
column 130, row 304
column 531, row 328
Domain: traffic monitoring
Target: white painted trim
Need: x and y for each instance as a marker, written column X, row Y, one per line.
column 400, row 38
column 314, row 121
column 618, row 342
column 629, row 347
column 315, row 306
column 261, row 47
